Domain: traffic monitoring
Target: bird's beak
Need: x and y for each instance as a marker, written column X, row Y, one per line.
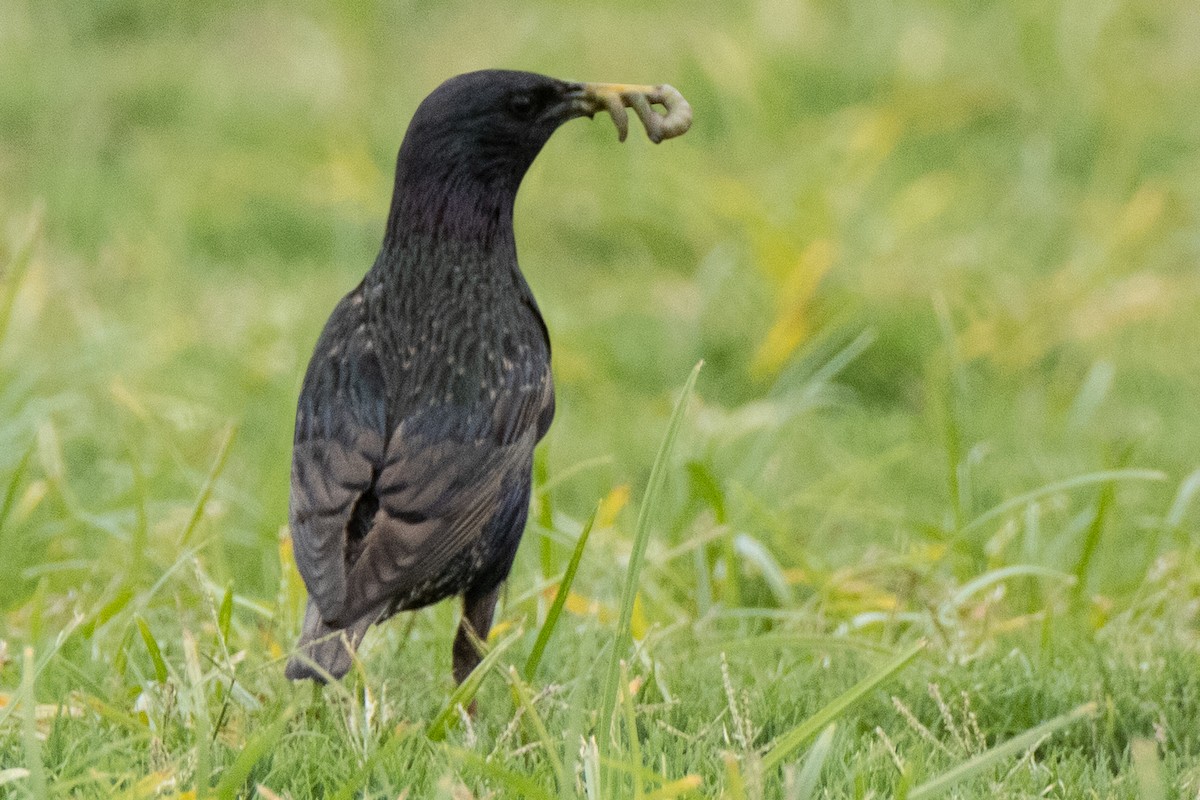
column 585, row 99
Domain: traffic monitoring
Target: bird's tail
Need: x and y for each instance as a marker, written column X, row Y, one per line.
column 324, row 651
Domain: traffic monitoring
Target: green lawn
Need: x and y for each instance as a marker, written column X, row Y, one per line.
column 940, row 260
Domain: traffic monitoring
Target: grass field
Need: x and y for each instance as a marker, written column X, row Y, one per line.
column 926, row 524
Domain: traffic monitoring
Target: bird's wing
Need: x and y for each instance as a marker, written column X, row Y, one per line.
column 376, row 515
column 544, row 399
column 339, row 449
column 435, row 501
column 330, row 479
column 437, row 495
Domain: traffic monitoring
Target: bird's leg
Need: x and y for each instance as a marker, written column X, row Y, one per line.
column 476, row 621
column 475, row 624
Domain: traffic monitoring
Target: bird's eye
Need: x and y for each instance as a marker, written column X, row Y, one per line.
column 522, row 106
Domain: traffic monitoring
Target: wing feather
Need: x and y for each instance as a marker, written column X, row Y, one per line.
column 435, row 503
column 374, row 523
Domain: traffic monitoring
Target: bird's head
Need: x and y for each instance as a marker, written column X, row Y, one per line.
column 472, row 139
column 487, row 125
column 490, row 125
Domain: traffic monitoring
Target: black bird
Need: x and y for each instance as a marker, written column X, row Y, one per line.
column 430, row 383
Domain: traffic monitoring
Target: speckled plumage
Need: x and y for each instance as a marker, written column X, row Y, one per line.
column 429, row 386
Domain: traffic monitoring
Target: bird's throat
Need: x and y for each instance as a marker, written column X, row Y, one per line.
column 448, row 196
column 457, row 213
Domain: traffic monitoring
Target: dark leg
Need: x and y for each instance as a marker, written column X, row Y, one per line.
column 477, row 618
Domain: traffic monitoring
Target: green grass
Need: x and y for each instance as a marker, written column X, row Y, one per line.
column 939, row 261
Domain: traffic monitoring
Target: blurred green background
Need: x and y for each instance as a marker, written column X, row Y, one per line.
column 1001, row 196
column 935, row 256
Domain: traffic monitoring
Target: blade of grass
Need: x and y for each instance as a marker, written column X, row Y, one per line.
column 183, row 559
column 732, row 594
column 1147, row 768
column 591, row 768
column 115, row 715
column 1091, row 539
column 810, row 773
column 252, row 752
column 787, row 640
column 688, row 784
column 1179, row 506
column 209, row 483
column 624, row 637
column 952, row 395
column 648, row 776
column 751, row 551
column 549, row 744
column 156, row 656
column 562, row 476
column 14, row 482
column 989, row 758
column 543, row 512
column 707, row 489
column 156, row 784
column 12, row 277
column 48, row 655
column 33, row 749
column 201, row 724
column 1091, row 395
column 735, row 785
column 109, row 609
column 838, row 362
column 350, row 788
column 995, row 576
column 465, row 691
column 635, row 746
column 786, row 744
column 1091, row 478
column 952, row 432
column 511, row 781
column 225, row 616
column 141, row 529
column 560, row 600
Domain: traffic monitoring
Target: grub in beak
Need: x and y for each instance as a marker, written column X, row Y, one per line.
column 616, row 97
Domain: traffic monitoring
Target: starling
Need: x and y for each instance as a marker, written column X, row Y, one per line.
column 430, row 384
